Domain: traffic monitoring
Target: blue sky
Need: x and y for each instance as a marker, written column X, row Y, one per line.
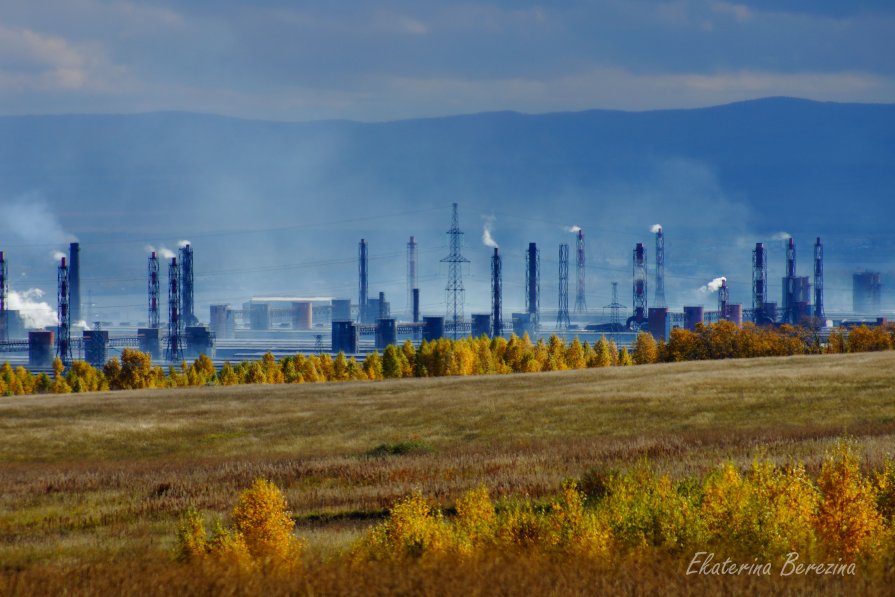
column 389, row 60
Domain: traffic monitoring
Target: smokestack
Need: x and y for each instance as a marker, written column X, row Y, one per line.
column 74, row 280
column 532, row 284
column 153, row 277
column 63, row 301
column 412, row 281
column 759, row 283
column 819, row 282
column 174, row 347
column 382, row 312
column 362, row 282
column 639, row 287
column 580, row 303
column 790, row 311
column 4, row 319
column 723, row 300
column 562, row 315
column 659, row 298
column 496, row 295
column 186, row 285
column 416, row 305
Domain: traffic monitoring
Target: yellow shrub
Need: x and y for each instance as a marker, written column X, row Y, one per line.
column 848, row 519
column 412, row 529
column 520, row 526
column 263, row 520
column 575, row 529
column 192, row 540
column 476, row 519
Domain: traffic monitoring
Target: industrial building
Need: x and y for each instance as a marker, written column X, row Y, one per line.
column 285, row 325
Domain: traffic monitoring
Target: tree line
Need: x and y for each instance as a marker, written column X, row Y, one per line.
column 446, row 357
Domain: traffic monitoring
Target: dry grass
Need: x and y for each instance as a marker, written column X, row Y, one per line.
column 99, row 480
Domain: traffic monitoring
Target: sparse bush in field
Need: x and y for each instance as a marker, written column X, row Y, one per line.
column 848, row 519
column 476, row 520
column 519, row 525
column 412, row 529
column 261, row 533
column 575, row 529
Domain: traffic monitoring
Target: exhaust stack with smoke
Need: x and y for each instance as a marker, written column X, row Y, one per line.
column 153, row 291
column 639, row 287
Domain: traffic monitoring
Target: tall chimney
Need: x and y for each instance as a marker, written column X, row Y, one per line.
column 74, row 281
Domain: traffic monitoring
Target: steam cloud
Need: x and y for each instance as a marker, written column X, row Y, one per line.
column 58, row 256
column 574, row 229
column 166, row 253
column 713, row 286
column 781, row 236
column 655, row 228
column 487, row 239
column 34, row 312
column 149, row 249
column 183, row 243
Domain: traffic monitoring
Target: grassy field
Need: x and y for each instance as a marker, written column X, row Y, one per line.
column 98, row 480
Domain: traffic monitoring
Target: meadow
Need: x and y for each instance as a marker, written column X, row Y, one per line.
column 95, row 484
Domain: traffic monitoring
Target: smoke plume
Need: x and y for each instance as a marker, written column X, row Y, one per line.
column 781, row 236
column 574, row 229
column 655, row 228
column 713, row 286
column 166, row 253
column 34, row 313
column 487, row 239
column 183, row 243
column 58, row 256
column 149, row 249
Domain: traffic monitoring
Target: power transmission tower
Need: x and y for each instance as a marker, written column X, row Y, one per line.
column 562, row 316
column 580, row 304
column 615, row 318
column 454, row 292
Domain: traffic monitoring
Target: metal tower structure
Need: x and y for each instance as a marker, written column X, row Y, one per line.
column 187, row 316
column 819, row 282
column 63, row 298
column 659, row 296
column 759, row 283
column 74, row 281
column 562, row 315
column 723, row 300
column 580, row 303
column 496, row 295
column 615, row 318
column 174, row 346
column 790, row 311
column 639, row 287
column 454, row 293
column 362, row 277
column 153, row 291
column 533, row 284
column 4, row 318
column 412, row 278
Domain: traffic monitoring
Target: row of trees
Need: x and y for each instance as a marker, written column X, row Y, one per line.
column 445, row 357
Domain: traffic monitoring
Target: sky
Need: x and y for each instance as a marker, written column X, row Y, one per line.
column 375, row 61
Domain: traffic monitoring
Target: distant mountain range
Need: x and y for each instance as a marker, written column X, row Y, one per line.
column 281, row 206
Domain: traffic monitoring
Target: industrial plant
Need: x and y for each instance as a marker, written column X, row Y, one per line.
column 286, row 325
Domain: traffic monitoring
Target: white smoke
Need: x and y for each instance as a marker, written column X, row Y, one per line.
column 713, row 286
column 166, row 253
column 34, row 313
column 58, row 256
column 574, row 229
column 655, row 228
column 80, row 325
column 30, row 219
column 486, row 232
column 781, row 236
column 183, row 243
column 149, row 249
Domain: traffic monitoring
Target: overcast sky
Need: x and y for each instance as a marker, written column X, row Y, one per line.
column 364, row 60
